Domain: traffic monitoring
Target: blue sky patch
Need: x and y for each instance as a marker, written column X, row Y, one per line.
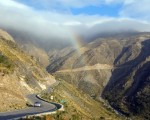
column 104, row 10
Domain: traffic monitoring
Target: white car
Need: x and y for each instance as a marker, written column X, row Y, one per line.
column 37, row 104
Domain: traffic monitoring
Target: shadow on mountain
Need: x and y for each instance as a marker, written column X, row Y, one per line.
column 126, row 88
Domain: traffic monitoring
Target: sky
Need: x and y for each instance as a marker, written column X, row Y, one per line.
column 61, row 19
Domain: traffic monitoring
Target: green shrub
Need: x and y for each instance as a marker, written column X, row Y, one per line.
column 5, row 62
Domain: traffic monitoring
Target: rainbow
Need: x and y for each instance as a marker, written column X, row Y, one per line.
column 78, row 44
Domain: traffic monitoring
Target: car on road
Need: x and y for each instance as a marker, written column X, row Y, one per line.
column 37, row 104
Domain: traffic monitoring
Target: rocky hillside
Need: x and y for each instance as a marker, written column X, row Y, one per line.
column 20, row 75
column 116, row 67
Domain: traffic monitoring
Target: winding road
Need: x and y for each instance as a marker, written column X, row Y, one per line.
column 46, row 107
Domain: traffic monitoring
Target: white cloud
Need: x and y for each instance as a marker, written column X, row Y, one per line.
column 53, row 25
column 10, row 3
column 138, row 9
column 126, row 2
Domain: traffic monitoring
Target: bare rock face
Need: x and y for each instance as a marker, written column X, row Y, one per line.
column 124, row 84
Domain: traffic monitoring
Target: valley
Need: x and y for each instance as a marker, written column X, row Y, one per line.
column 75, row 59
column 112, row 71
column 21, row 75
column 109, row 68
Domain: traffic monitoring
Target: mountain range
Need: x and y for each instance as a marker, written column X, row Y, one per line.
column 110, row 70
column 21, row 74
column 113, row 68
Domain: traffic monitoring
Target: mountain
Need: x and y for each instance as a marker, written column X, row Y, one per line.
column 39, row 47
column 20, row 75
column 114, row 68
column 129, row 86
column 89, row 67
column 31, row 45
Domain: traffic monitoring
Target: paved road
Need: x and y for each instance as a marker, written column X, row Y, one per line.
column 46, row 107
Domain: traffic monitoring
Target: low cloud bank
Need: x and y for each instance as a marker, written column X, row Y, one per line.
column 54, row 26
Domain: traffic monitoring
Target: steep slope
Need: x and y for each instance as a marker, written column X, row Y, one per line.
column 117, row 68
column 32, row 48
column 129, row 85
column 78, row 105
column 19, row 74
column 37, row 53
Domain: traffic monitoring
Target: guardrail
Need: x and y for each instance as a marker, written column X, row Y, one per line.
column 60, row 107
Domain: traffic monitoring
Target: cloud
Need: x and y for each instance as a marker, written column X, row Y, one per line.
column 138, row 9
column 53, row 26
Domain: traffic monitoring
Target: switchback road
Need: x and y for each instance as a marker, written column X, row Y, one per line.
column 46, row 107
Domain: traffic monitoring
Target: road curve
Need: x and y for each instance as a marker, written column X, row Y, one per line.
column 46, row 107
